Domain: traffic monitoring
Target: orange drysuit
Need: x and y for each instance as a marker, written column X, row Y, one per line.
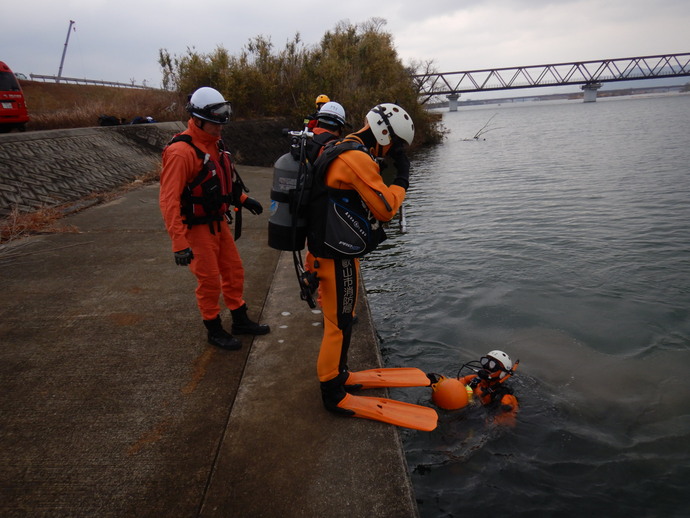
column 339, row 278
column 493, row 391
column 217, row 264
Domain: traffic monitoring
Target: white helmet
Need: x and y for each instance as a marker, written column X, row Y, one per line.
column 497, row 360
column 332, row 112
column 389, row 120
column 208, row 104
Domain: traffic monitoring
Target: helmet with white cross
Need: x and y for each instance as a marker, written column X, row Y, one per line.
column 388, row 121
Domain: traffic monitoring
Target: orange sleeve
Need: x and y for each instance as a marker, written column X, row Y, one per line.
column 509, row 403
column 357, row 170
column 508, row 411
column 179, row 166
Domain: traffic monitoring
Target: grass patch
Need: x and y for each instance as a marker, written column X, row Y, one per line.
column 60, row 106
column 46, row 220
column 21, row 224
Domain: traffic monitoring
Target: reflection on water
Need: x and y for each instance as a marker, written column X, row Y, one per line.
column 563, row 239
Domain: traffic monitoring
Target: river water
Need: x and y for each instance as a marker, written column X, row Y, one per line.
column 562, row 237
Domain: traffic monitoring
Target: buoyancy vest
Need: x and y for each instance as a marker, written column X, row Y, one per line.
column 340, row 223
column 217, row 186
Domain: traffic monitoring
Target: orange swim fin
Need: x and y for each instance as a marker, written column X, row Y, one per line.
column 391, row 411
column 402, row 377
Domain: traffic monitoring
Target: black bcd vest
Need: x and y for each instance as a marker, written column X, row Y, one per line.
column 209, row 196
column 340, row 223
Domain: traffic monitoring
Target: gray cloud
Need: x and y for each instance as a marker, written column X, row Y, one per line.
column 119, row 41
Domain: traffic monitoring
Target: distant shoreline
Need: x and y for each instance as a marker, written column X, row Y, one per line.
column 566, row 96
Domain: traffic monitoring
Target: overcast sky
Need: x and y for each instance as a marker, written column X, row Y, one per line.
column 119, row 40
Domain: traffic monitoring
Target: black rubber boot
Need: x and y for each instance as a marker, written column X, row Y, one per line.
column 333, row 392
column 242, row 325
column 220, row 337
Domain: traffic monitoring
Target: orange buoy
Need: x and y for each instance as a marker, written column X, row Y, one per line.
column 449, row 393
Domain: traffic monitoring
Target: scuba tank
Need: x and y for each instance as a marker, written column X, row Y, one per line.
column 287, row 224
column 283, row 207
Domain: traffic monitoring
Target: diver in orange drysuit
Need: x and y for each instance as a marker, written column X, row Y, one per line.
column 329, row 125
column 352, row 177
column 489, row 387
column 330, row 122
column 195, row 195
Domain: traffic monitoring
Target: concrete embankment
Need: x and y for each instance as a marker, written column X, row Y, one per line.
column 116, row 406
column 49, row 168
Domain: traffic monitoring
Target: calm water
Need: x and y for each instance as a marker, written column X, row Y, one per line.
column 564, row 240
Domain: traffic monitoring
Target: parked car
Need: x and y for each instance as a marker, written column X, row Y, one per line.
column 13, row 112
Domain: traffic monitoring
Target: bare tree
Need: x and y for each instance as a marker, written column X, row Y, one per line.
column 483, row 130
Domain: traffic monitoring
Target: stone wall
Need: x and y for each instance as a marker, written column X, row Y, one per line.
column 50, row 168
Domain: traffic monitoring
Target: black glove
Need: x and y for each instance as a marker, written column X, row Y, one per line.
column 483, row 374
column 401, row 162
column 184, row 257
column 253, row 206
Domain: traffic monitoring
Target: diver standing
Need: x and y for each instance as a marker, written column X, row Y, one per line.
column 198, row 185
column 349, row 201
column 329, row 124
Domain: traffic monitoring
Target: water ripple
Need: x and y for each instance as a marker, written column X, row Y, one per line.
column 564, row 239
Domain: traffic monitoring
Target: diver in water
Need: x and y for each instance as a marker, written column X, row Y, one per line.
column 486, row 385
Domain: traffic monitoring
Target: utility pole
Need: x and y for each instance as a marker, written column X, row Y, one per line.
column 64, row 51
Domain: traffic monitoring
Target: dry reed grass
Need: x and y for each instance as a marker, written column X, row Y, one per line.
column 58, row 106
column 46, row 220
column 21, row 224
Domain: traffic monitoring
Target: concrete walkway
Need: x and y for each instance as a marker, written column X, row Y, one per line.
column 113, row 404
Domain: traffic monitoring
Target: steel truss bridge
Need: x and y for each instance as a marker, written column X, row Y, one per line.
column 590, row 74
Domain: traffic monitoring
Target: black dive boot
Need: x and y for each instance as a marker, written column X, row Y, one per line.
column 333, row 392
column 220, row 337
column 242, row 325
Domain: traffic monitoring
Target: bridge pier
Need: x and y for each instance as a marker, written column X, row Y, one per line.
column 453, row 102
column 590, row 92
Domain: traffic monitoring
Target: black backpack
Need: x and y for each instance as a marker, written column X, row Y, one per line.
column 340, row 224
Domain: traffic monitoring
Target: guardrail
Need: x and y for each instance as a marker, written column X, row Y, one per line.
column 56, row 79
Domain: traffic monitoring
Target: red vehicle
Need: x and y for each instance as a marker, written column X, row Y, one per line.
column 13, row 114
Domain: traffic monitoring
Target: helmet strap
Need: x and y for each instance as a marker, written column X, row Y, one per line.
column 510, row 372
column 200, row 122
column 382, row 113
